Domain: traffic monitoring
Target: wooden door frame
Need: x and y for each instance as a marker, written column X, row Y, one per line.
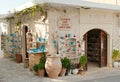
column 100, row 65
column 86, row 40
column 25, row 30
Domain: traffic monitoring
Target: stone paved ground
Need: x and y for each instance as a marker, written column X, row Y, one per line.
column 10, row 71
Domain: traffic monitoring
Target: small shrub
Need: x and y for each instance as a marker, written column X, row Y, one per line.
column 41, row 65
column 83, row 61
column 35, row 67
column 66, row 63
column 115, row 54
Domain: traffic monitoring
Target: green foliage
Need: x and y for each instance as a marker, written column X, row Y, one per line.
column 31, row 11
column 43, row 58
column 115, row 54
column 83, row 61
column 9, row 18
column 41, row 64
column 35, row 67
column 66, row 63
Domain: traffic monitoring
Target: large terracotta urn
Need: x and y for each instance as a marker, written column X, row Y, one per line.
column 53, row 66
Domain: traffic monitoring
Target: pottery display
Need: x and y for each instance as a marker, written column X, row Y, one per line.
column 75, row 71
column 53, row 66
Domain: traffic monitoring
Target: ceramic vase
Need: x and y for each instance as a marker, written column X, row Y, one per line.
column 115, row 64
column 53, row 66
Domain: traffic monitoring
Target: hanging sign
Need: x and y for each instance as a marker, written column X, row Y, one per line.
column 64, row 23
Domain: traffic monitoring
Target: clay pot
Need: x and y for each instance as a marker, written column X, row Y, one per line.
column 41, row 72
column 81, row 72
column 53, row 66
column 18, row 58
column 63, row 71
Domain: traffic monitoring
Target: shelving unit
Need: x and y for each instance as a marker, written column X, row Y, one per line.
column 93, row 49
column 29, row 39
column 35, row 45
column 14, row 45
column 3, row 42
column 68, row 47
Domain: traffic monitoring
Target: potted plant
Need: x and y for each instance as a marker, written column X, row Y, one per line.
column 35, row 68
column 41, row 66
column 115, row 57
column 74, row 69
column 65, row 65
column 83, row 62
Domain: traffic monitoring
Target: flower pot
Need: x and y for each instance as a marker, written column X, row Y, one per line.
column 119, row 64
column 63, row 71
column 41, row 72
column 18, row 58
column 75, row 71
column 69, row 72
column 115, row 64
column 81, row 72
column 53, row 66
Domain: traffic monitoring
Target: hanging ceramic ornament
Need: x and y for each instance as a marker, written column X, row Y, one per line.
column 79, row 45
column 69, row 35
column 53, row 36
column 66, row 36
column 74, row 36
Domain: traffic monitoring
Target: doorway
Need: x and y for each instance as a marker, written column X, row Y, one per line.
column 96, row 48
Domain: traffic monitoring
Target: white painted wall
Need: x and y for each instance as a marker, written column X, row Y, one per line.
column 4, row 26
column 81, row 22
column 84, row 20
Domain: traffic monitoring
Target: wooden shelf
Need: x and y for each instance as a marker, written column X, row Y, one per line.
column 70, row 52
column 70, row 38
column 37, row 52
column 93, row 46
column 36, row 42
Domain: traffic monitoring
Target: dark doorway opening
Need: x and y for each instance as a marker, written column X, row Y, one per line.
column 26, row 30
column 96, row 47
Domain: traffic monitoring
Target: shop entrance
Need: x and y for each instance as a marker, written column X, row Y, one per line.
column 96, row 48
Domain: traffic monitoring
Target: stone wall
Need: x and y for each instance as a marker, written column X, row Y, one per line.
column 79, row 21
column 83, row 21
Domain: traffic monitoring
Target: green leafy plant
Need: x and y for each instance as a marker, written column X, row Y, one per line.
column 35, row 67
column 41, row 64
column 43, row 58
column 115, row 54
column 66, row 63
column 83, row 61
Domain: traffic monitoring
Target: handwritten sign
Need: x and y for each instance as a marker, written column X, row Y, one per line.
column 64, row 23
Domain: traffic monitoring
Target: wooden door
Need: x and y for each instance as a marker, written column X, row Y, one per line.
column 103, row 49
column 26, row 30
column 86, row 39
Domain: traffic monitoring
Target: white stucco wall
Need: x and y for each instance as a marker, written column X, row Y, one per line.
column 55, row 15
column 81, row 21
column 33, row 23
column 4, row 27
column 97, row 19
column 84, row 20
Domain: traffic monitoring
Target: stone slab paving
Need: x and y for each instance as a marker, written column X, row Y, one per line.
column 11, row 71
